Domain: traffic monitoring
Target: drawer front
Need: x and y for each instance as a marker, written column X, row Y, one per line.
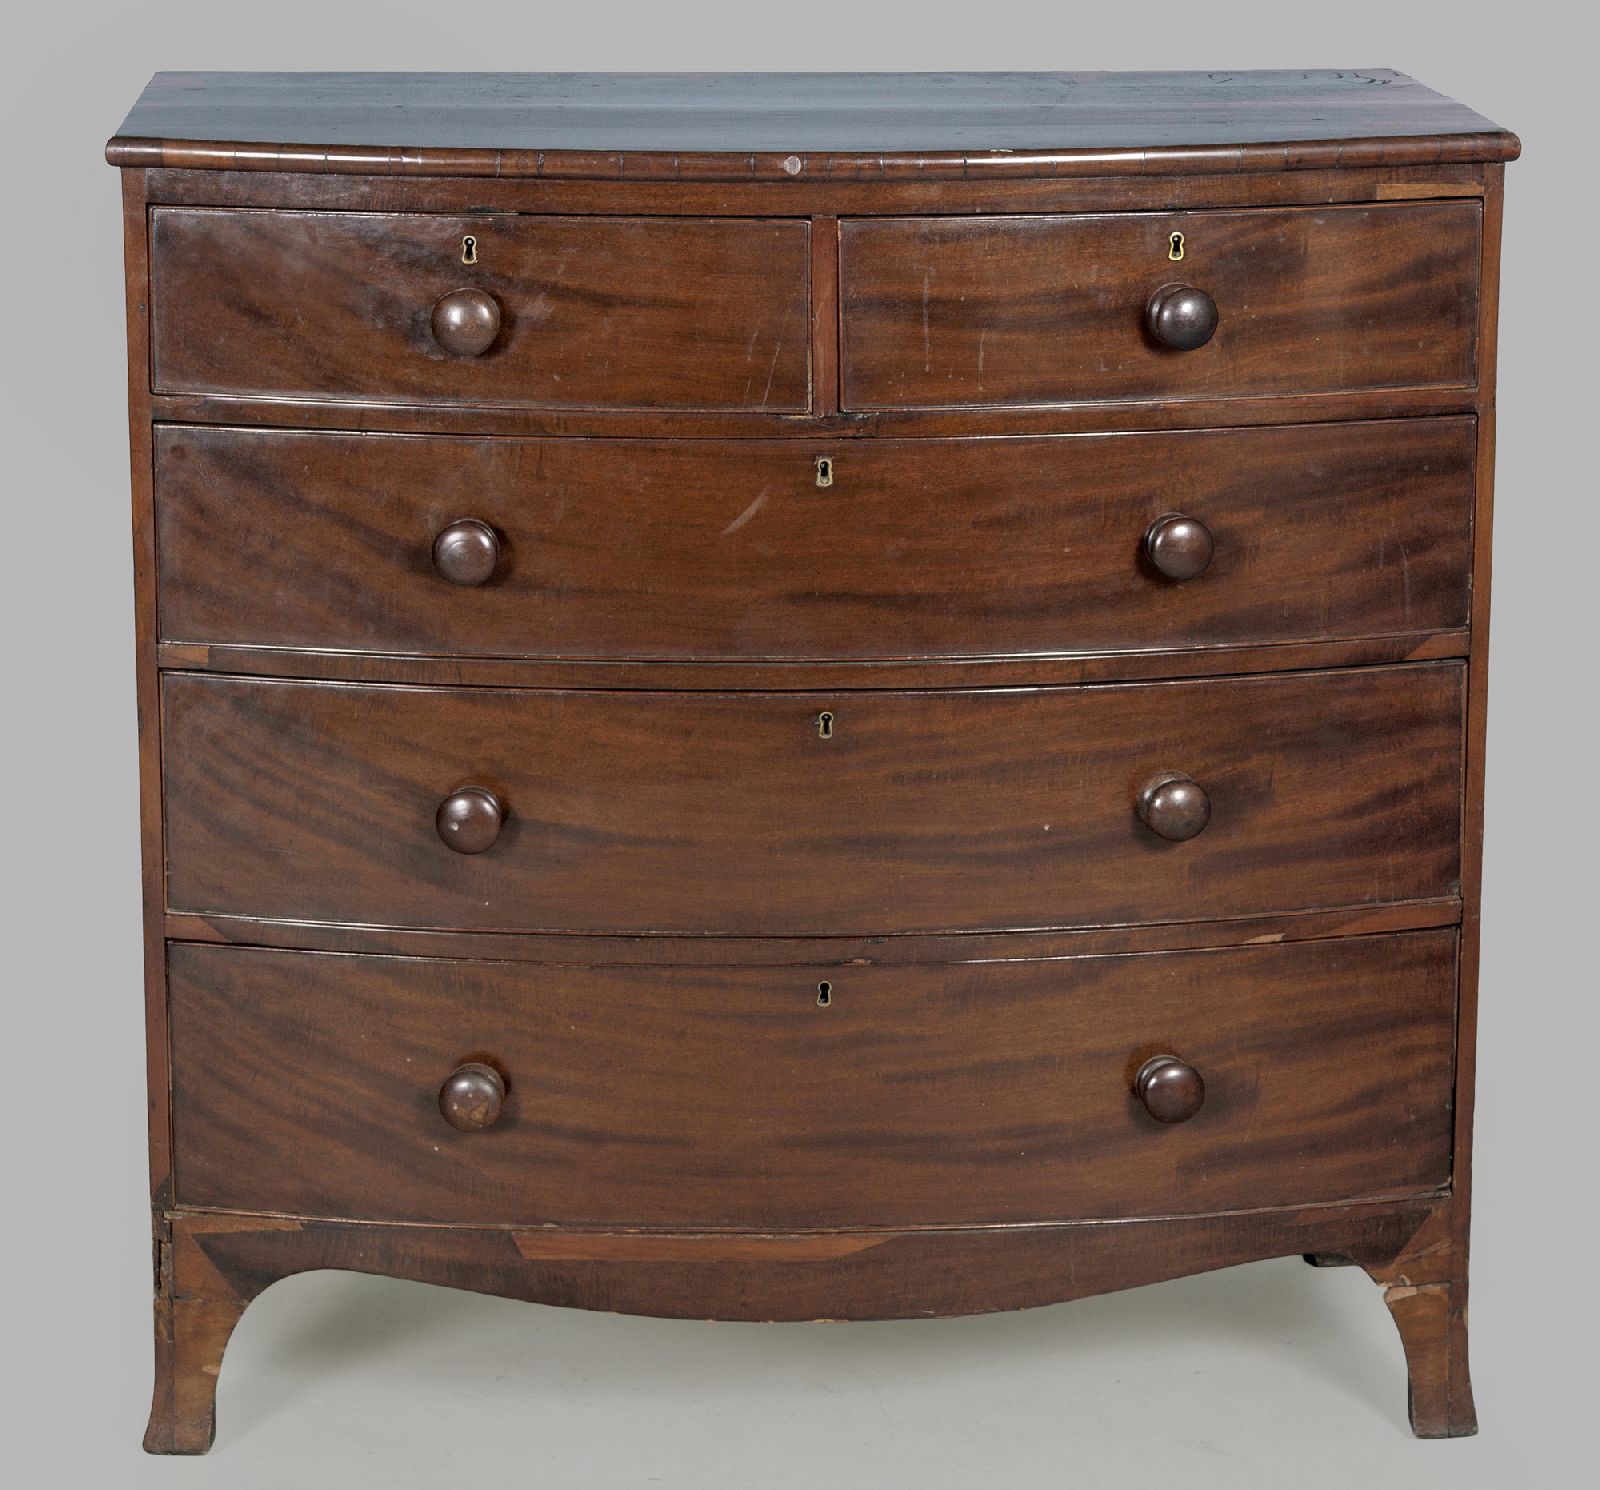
column 700, row 549
column 699, row 1096
column 1047, row 310
column 732, row 813
column 592, row 312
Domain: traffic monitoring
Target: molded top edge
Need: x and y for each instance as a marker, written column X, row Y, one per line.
column 686, row 126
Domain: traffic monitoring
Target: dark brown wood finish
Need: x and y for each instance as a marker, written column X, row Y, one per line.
column 714, row 1097
column 472, row 1097
column 1040, row 310
column 1158, row 188
column 786, row 126
column 1433, row 1319
column 508, row 483
column 607, row 312
column 695, row 550
column 731, row 814
column 1036, row 671
column 838, row 951
column 1073, row 418
column 219, row 1262
column 152, row 833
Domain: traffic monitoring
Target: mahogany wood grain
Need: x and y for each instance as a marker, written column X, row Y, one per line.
column 1427, row 1293
column 677, row 844
column 785, row 126
column 729, row 813
column 152, row 827
column 609, row 312
column 710, row 1097
column 1425, row 1287
column 236, row 156
column 191, row 1335
column 1040, row 670
column 1472, row 820
column 230, row 1259
column 836, row 951
column 1073, row 418
column 796, row 1276
column 690, row 550
column 825, row 316
column 816, row 197
column 1037, row 310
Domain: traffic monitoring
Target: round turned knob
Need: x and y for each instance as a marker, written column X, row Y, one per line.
column 470, row 820
column 466, row 322
column 472, row 1096
column 1173, row 806
column 1181, row 317
column 1179, row 547
column 1172, row 1090
column 467, row 552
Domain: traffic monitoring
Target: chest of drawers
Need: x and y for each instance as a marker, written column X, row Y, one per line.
column 809, row 697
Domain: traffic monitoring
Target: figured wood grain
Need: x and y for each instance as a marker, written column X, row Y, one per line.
column 790, row 1276
column 728, row 1097
column 696, row 551
column 1355, row 798
column 730, row 814
column 611, row 312
column 221, row 1261
column 1036, row 310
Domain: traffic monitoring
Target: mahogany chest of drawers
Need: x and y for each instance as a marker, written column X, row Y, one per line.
column 809, row 696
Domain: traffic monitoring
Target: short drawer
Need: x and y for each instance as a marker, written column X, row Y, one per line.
column 691, row 313
column 1053, row 310
column 795, row 813
column 696, row 550
column 717, row 1096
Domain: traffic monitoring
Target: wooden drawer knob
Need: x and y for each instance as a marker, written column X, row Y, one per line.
column 1179, row 547
column 1181, row 317
column 466, row 322
column 472, row 1096
column 469, row 820
column 1172, row 1090
column 1173, row 806
column 467, row 552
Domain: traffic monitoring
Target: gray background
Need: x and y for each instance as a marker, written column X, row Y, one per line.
column 1271, row 1375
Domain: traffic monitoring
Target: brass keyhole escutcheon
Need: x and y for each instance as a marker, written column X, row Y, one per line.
column 825, row 725
column 1175, row 247
column 469, row 249
column 824, row 995
column 824, row 470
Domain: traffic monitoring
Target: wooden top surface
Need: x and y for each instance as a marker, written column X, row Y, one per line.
column 717, row 124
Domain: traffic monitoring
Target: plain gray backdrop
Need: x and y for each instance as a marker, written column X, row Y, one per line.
column 1271, row 1375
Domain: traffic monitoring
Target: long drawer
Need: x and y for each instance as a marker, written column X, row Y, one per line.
column 1046, row 310
column 603, row 312
column 731, row 550
column 696, row 1096
column 778, row 813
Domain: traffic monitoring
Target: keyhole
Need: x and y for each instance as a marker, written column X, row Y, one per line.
column 469, row 249
column 825, row 725
column 824, row 995
column 824, row 470
column 1175, row 251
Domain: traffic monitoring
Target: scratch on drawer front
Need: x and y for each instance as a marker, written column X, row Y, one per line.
column 747, row 514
